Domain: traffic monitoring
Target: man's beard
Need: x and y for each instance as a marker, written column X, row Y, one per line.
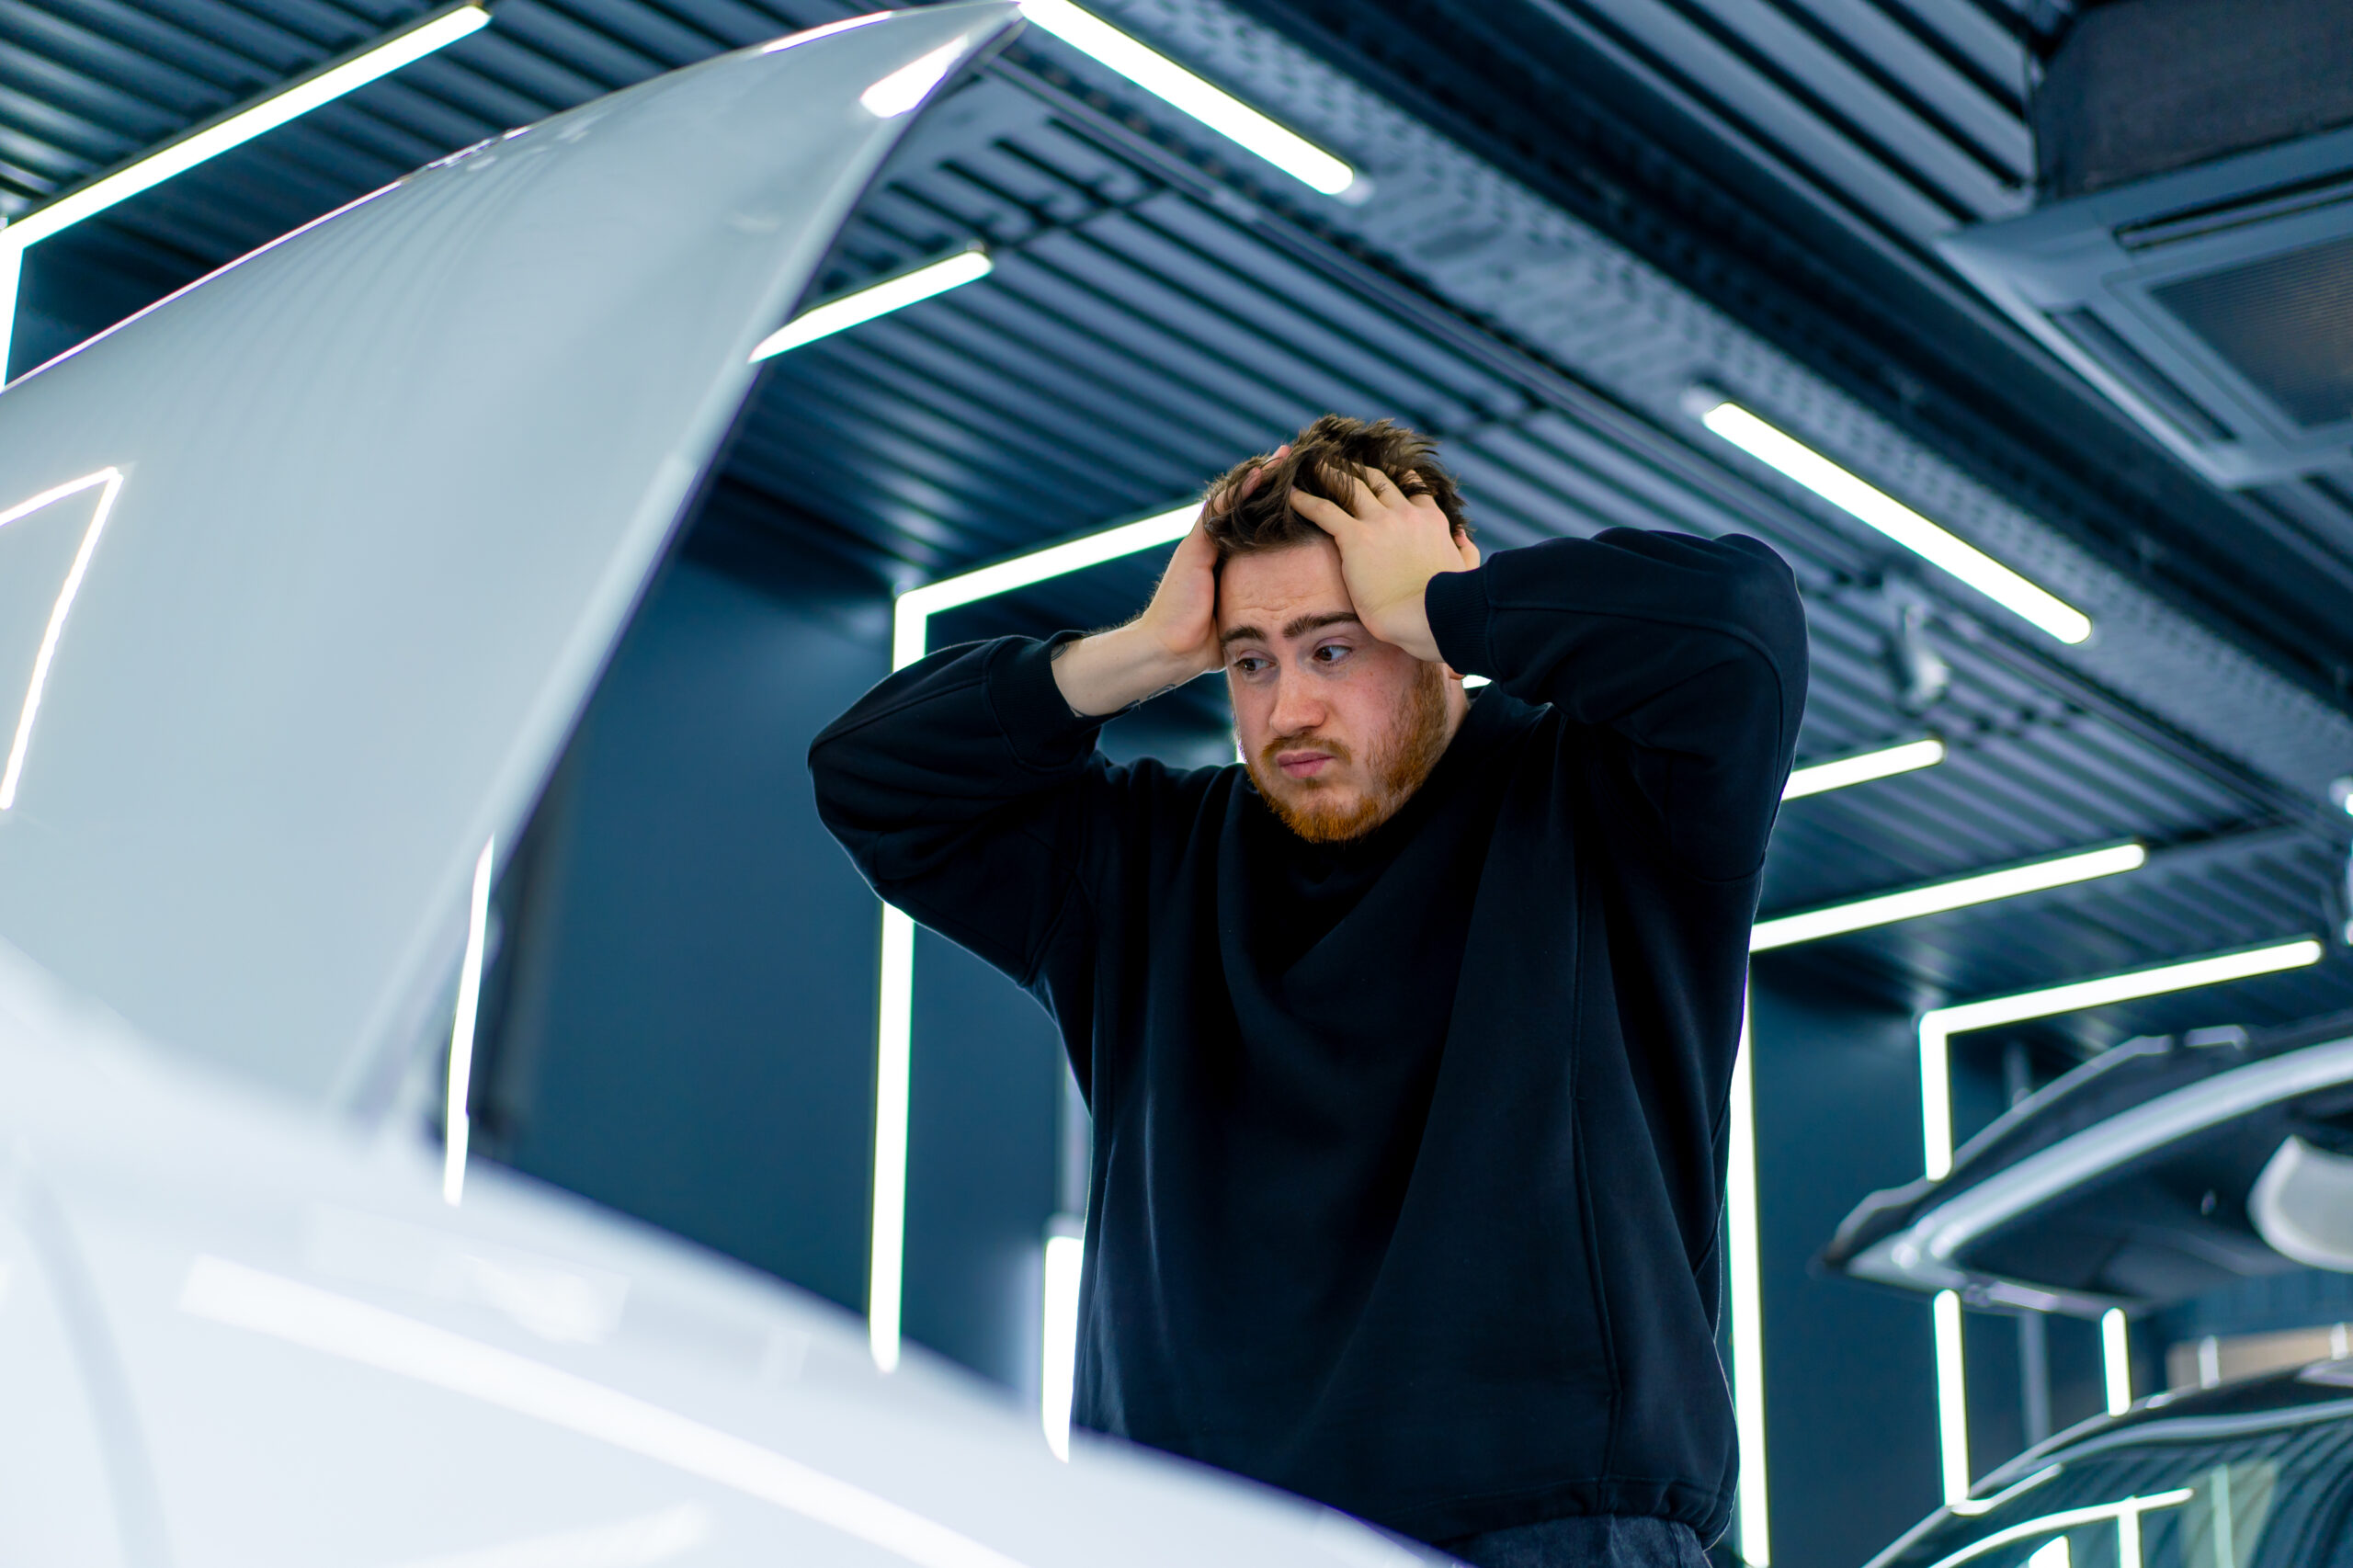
column 1397, row 768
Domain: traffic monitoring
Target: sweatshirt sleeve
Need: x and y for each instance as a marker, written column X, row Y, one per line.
column 961, row 787
column 1691, row 651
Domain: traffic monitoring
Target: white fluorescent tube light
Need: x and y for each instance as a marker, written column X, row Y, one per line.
column 1952, row 1396
column 1175, row 85
column 1058, row 1345
column 1907, row 528
column 894, row 1033
column 455, row 1124
column 1840, row 772
column 1883, row 909
column 2116, row 1360
column 1747, row 1303
column 1940, row 1025
column 881, row 300
column 291, row 101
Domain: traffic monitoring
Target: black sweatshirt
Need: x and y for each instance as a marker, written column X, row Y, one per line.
column 1409, row 1152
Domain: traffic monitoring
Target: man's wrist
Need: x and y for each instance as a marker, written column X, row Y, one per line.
column 1111, row 671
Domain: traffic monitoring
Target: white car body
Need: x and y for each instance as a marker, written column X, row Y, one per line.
column 320, row 561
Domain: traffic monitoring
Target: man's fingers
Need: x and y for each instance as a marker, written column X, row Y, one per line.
column 1329, row 516
column 1385, row 489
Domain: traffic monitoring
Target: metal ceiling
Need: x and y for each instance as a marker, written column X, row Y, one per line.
column 1157, row 311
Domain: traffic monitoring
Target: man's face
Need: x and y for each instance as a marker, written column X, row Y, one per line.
column 1339, row 728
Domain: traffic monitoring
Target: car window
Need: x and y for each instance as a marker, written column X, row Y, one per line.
column 2266, row 1499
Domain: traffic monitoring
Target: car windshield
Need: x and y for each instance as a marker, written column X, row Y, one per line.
column 2276, row 1498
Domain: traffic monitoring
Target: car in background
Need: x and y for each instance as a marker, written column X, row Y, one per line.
column 306, row 575
column 2254, row 1474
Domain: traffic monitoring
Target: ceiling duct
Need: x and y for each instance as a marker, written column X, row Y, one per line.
column 2193, row 255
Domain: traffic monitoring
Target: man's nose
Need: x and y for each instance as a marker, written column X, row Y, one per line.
column 1297, row 707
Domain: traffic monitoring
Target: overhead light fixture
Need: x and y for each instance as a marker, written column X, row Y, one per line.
column 879, row 300
column 1778, row 449
column 1746, row 1303
column 1984, row 887
column 1179, row 88
column 1862, row 767
column 894, row 1034
column 291, row 101
column 455, row 1124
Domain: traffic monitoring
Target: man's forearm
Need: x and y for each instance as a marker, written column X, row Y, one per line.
column 1111, row 670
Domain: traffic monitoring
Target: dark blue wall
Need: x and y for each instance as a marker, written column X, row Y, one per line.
column 1850, row 1371
column 688, row 1031
column 685, row 1024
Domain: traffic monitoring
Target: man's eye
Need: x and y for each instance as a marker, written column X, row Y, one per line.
column 1249, row 664
column 1333, row 652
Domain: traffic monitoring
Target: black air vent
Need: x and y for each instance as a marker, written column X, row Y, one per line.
column 2285, row 323
column 2142, row 86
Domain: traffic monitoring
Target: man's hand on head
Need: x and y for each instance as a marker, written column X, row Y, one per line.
column 1175, row 637
column 1392, row 544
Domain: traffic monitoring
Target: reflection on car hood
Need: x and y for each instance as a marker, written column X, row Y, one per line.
column 306, row 572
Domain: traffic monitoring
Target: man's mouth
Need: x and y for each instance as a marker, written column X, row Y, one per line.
column 1302, row 764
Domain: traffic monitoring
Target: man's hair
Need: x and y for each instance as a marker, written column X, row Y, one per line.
column 1320, row 462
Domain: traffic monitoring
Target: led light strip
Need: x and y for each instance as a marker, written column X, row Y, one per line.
column 893, row 1035
column 1861, row 769
column 1179, row 88
column 291, row 101
column 1778, row 449
column 1937, row 1028
column 1058, row 1336
column 881, row 299
column 1910, row 903
column 2116, row 1360
column 1747, row 1305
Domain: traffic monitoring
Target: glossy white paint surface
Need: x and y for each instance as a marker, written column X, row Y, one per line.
column 389, row 487
column 241, row 1335
column 387, row 491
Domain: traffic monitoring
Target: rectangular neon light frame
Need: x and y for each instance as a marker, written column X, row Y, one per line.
column 1867, row 504
column 1937, row 1028
column 910, row 633
column 289, row 102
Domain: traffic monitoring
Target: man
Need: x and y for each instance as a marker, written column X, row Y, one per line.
column 1409, row 1042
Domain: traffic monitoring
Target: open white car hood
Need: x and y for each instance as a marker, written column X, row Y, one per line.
column 322, row 558
column 326, row 551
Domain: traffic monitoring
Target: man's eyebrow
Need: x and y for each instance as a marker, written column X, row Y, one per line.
column 1300, row 626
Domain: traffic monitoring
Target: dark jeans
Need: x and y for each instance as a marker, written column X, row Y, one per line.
column 1599, row 1540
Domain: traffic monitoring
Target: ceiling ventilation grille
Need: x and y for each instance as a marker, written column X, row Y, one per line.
column 2214, row 305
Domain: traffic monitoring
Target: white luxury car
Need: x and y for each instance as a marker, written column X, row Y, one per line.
column 304, row 575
